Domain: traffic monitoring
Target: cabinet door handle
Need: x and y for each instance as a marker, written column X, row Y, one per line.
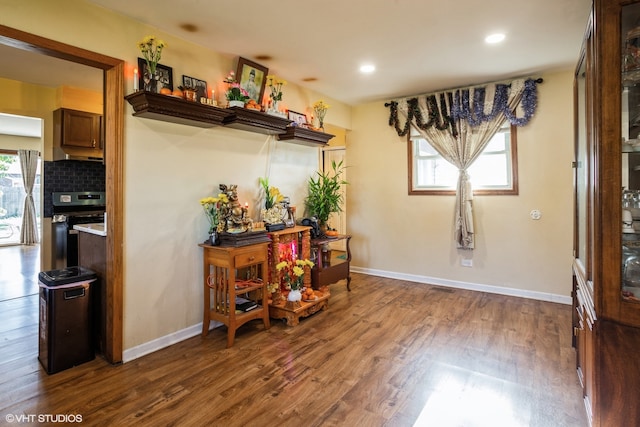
column 93, row 143
column 251, row 258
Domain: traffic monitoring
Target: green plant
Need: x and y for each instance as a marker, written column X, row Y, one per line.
column 325, row 195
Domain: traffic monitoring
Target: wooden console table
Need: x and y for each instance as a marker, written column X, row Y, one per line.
column 220, row 266
column 324, row 273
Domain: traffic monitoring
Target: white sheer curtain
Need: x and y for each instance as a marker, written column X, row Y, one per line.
column 29, row 165
column 459, row 126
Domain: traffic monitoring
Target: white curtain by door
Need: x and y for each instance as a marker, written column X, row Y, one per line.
column 29, row 165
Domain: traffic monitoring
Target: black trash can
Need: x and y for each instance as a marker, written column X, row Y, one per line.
column 66, row 318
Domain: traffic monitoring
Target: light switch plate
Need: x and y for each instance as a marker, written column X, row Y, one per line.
column 535, row 214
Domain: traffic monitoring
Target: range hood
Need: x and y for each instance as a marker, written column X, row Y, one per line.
column 76, row 153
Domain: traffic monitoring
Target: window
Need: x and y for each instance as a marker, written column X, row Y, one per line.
column 494, row 172
column 12, row 197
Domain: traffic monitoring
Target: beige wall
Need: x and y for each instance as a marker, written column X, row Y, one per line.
column 168, row 168
column 400, row 234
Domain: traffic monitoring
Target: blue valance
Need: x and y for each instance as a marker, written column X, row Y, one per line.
column 444, row 109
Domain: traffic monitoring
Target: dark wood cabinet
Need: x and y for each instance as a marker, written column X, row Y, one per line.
column 606, row 291
column 330, row 269
column 78, row 133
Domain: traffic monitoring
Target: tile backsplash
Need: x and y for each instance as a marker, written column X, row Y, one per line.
column 71, row 175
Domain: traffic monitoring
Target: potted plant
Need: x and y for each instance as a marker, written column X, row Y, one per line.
column 235, row 94
column 325, row 195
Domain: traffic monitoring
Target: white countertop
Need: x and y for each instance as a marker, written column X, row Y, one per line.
column 97, row 228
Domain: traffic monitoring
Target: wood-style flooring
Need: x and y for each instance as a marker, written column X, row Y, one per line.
column 389, row 353
column 19, row 268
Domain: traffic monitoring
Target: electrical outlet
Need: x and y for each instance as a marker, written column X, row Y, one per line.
column 466, row 262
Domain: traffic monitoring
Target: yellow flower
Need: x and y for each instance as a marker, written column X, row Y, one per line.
column 320, row 108
column 151, row 49
column 276, row 87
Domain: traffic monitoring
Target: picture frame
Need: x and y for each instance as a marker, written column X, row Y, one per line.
column 298, row 118
column 252, row 77
column 200, row 85
column 166, row 75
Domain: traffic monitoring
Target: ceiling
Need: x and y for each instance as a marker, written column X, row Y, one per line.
column 417, row 46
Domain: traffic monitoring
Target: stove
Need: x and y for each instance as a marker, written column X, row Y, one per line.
column 71, row 208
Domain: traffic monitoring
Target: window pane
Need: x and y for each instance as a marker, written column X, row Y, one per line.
column 491, row 171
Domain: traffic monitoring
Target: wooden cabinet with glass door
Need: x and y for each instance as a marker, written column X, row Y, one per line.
column 607, row 211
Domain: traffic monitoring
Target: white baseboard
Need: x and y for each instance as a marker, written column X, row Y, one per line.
column 165, row 341
column 542, row 296
column 175, row 337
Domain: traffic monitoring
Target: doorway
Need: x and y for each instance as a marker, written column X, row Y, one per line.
column 113, row 70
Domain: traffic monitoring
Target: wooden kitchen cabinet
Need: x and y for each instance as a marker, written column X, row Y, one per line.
column 606, row 320
column 78, row 130
column 92, row 254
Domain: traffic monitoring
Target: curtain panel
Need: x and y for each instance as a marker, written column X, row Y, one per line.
column 459, row 124
column 29, row 165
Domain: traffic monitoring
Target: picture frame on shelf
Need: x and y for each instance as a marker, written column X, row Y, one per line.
column 199, row 85
column 298, row 118
column 252, row 77
column 166, row 75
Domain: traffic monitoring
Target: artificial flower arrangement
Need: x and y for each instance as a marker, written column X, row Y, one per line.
column 212, row 207
column 320, row 110
column 275, row 85
column 272, row 212
column 235, row 92
column 151, row 49
column 293, row 272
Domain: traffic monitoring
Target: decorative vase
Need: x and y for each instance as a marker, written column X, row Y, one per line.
column 190, row 95
column 151, row 81
column 214, row 238
column 236, row 104
column 294, row 295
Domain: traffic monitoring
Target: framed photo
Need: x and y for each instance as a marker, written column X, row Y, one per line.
column 165, row 80
column 252, row 78
column 199, row 85
column 298, row 118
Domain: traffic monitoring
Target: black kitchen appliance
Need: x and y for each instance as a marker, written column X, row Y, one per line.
column 71, row 208
column 65, row 333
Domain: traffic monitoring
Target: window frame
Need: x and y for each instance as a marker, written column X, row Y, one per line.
column 513, row 191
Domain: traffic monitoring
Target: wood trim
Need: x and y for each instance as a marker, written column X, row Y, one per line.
column 114, row 161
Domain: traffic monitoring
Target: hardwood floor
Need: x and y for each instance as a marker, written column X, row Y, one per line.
column 389, row 353
column 19, row 268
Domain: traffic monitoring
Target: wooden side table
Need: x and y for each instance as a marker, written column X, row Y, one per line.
column 327, row 271
column 220, row 266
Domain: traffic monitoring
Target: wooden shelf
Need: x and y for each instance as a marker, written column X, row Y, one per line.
column 175, row 110
column 255, row 121
column 303, row 136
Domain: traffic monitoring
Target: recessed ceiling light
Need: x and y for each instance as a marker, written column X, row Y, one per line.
column 367, row 68
column 494, row 38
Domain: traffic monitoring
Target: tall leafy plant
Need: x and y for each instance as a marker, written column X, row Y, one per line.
column 325, row 195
